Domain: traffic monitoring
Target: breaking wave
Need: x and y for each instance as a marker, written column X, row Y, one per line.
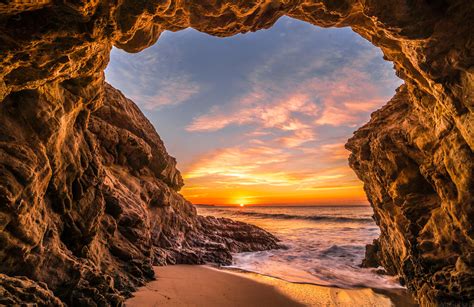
column 282, row 216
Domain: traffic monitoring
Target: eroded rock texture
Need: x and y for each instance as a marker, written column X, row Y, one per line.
column 16, row 291
column 89, row 202
column 418, row 175
column 86, row 187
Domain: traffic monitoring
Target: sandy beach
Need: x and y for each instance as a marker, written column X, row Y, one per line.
column 201, row 285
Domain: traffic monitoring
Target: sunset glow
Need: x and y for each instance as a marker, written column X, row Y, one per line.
column 260, row 118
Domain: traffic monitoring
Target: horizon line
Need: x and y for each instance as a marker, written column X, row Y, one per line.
column 284, row 205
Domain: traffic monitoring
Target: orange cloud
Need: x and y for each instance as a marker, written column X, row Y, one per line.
column 256, row 109
column 257, row 174
column 240, row 166
column 298, row 138
column 284, row 158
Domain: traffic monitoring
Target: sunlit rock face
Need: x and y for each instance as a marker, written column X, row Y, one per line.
column 88, row 195
column 418, row 175
column 90, row 202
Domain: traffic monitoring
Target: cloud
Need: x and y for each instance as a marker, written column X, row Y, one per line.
column 329, row 152
column 266, row 166
column 336, row 116
column 276, row 122
column 235, row 161
column 343, row 96
column 256, row 165
column 286, row 113
column 257, row 133
column 152, row 78
column 348, row 100
column 298, row 138
column 257, row 108
column 217, row 119
column 170, row 92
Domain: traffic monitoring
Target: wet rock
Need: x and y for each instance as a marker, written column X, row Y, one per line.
column 372, row 259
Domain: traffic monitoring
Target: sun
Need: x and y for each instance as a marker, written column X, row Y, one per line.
column 241, row 205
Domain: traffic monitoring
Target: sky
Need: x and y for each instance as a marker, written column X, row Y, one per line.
column 259, row 118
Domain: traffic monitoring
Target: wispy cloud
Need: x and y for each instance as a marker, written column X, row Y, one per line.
column 257, row 108
column 236, row 162
column 266, row 166
column 170, row 92
column 286, row 112
column 297, row 138
column 294, row 96
column 149, row 79
column 341, row 97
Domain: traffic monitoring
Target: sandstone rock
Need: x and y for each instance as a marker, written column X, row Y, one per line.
column 90, row 202
column 372, row 256
column 80, row 190
column 415, row 175
column 21, row 290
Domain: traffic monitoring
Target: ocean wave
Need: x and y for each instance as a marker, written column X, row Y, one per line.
column 282, row 216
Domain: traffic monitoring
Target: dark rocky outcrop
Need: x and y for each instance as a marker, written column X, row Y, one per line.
column 88, row 194
column 419, row 178
column 15, row 291
column 90, row 202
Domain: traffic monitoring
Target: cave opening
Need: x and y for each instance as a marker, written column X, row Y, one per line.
column 260, row 120
column 227, row 107
column 90, row 197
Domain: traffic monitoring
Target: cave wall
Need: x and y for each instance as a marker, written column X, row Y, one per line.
column 73, row 150
column 418, row 176
column 89, row 201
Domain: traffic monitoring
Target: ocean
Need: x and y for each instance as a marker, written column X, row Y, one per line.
column 324, row 245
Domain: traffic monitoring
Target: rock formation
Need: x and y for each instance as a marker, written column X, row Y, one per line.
column 88, row 194
column 89, row 202
column 421, row 187
column 17, row 291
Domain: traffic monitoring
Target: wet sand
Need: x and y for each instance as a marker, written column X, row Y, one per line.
column 201, row 285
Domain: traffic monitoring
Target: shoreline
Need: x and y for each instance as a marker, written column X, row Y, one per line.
column 206, row 285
